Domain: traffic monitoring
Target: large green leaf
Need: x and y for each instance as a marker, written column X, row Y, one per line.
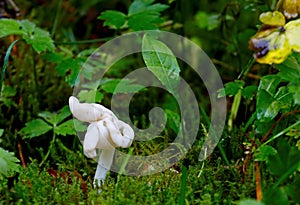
column 9, row 27
column 35, row 128
column 269, row 83
column 160, row 60
column 37, row 37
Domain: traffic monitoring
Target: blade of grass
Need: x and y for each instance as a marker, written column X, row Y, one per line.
column 6, row 58
column 183, row 185
column 222, row 151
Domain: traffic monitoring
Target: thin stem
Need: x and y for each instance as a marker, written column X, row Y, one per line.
column 258, row 181
column 84, row 41
column 5, row 62
column 57, row 17
column 275, row 124
column 50, row 148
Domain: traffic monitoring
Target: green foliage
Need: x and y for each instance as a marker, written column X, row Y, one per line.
column 142, row 15
column 38, row 38
column 160, row 60
column 8, row 163
column 52, row 121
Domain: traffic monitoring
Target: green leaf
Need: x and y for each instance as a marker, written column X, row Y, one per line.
column 293, row 190
column 276, row 197
column 70, row 68
column 56, row 118
column 35, row 128
column 264, row 100
column 269, row 83
column 144, row 21
column 90, row 96
column 249, row 91
column 173, row 120
column 113, row 18
column 143, row 15
column 232, row 88
column 63, row 114
column 66, row 128
column 289, row 70
column 121, row 86
column 139, row 6
column 250, row 202
column 160, row 60
column 37, row 37
column 9, row 27
column 295, row 91
column 263, row 153
column 53, row 57
column 8, row 163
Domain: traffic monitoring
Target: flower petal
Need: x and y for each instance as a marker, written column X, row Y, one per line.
column 275, row 18
column 292, row 32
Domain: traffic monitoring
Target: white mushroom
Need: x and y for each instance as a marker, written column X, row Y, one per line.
column 105, row 132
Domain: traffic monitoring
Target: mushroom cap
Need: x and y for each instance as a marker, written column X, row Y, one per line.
column 105, row 132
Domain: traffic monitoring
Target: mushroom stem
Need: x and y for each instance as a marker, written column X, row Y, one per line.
column 104, row 164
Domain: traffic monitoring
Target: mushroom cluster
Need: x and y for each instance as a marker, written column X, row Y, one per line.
column 105, row 132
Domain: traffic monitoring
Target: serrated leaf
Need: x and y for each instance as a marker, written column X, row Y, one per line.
column 113, row 18
column 160, row 60
column 8, row 163
column 63, row 114
column 37, row 37
column 9, row 27
column 90, row 96
column 48, row 116
column 143, row 15
column 144, row 21
column 68, row 128
column 70, row 68
column 139, row 6
column 121, row 86
column 35, row 128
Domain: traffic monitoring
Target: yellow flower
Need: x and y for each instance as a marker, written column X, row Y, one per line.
column 275, row 41
column 290, row 8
